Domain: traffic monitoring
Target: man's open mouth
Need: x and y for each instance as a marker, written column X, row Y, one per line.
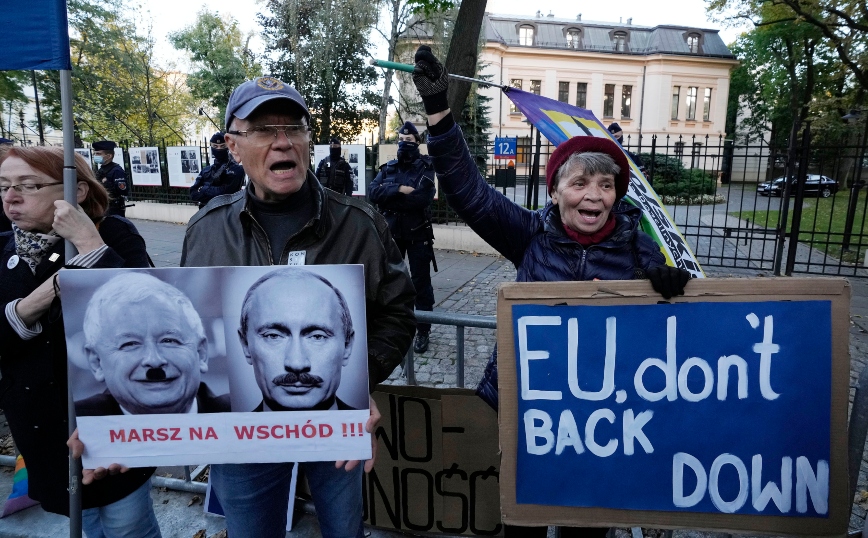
column 283, row 167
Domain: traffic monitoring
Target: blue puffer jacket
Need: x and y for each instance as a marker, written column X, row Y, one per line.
column 534, row 240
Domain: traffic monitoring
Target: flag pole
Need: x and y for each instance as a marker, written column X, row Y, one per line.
column 407, row 68
column 70, row 182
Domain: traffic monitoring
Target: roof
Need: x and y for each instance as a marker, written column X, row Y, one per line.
column 551, row 33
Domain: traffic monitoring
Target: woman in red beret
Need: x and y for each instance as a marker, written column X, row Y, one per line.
column 582, row 234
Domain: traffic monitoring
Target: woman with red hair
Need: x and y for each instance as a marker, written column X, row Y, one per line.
column 33, row 387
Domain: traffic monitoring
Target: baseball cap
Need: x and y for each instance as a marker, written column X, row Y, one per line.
column 252, row 94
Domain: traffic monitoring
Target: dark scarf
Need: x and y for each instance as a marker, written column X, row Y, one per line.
column 587, row 240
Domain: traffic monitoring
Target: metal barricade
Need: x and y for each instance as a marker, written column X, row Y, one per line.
column 459, row 321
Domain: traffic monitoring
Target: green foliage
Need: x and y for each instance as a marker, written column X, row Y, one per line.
column 118, row 90
column 11, row 95
column 221, row 58
column 430, row 7
column 672, row 179
column 321, row 48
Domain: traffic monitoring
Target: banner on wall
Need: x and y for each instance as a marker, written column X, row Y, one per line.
column 726, row 409
column 229, row 386
column 184, row 164
column 145, row 164
column 354, row 154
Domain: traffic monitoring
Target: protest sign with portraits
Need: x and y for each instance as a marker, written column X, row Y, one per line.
column 226, row 365
column 724, row 409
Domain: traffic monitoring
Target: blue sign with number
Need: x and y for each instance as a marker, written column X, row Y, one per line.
column 700, row 407
column 504, row 147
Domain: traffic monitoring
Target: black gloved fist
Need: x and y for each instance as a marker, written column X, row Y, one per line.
column 431, row 80
column 668, row 281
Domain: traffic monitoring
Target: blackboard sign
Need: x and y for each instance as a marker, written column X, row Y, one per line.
column 725, row 408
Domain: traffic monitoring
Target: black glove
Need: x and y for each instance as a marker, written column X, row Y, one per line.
column 433, row 82
column 668, row 281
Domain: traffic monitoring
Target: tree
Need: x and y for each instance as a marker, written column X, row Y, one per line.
column 11, row 96
column 118, row 90
column 321, row 47
column 221, row 58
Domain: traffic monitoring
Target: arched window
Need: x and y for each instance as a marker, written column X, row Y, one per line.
column 620, row 39
column 525, row 36
column 574, row 38
column 693, row 43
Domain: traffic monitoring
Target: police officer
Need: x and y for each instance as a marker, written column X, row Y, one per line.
column 112, row 176
column 403, row 191
column 224, row 176
column 334, row 172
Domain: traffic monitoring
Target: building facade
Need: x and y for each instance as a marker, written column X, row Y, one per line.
column 669, row 81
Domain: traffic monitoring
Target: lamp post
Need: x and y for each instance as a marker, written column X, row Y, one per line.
column 21, row 123
column 856, row 182
column 203, row 113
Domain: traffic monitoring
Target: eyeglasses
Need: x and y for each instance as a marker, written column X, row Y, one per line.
column 264, row 135
column 26, row 188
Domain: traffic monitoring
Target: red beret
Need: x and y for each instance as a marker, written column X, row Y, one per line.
column 584, row 144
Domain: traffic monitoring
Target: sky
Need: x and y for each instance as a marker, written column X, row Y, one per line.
column 644, row 13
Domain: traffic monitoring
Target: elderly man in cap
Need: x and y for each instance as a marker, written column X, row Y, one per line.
column 334, row 172
column 404, row 190
column 224, row 176
column 112, row 176
column 286, row 216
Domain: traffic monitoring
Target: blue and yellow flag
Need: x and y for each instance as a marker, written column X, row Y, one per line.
column 560, row 121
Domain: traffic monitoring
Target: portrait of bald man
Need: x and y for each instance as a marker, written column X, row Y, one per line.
column 146, row 341
column 297, row 333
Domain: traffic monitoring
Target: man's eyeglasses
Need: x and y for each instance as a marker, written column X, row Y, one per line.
column 264, row 135
column 26, row 188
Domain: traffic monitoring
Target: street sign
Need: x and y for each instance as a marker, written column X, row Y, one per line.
column 504, row 148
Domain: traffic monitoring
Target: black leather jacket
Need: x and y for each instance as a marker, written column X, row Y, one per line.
column 342, row 231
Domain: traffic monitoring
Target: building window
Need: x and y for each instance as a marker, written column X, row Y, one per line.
column 582, row 94
column 525, row 36
column 535, row 86
column 574, row 38
column 706, row 105
column 693, row 43
column 676, row 99
column 626, row 100
column 564, row 92
column 679, row 149
column 620, row 39
column 691, row 102
column 609, row 101
column 514, row 83
column 523, row 150
column 695, row 154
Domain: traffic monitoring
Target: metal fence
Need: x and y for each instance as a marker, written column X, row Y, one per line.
column 797, row 229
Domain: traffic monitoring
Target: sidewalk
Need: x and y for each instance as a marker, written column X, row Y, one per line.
column 466, row 283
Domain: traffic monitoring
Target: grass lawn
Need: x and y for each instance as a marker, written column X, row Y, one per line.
column 822, row 224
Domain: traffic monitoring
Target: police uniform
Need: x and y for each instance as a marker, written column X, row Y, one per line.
column 225, row 176
column 114, row 179
column 409, row 218
column 335, row 173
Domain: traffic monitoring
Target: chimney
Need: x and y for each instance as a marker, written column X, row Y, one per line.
column 551, row 14
column 629, row 21
column 579, row 18
column 538, row 14
column 620, row 20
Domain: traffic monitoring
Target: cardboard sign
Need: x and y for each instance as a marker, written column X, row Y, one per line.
column 174, row 366
column 437, row 464
column 725, row 409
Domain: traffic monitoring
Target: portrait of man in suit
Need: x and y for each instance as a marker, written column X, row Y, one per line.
column 146, row 341
column 297, row 333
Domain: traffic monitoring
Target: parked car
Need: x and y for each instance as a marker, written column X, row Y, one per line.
column 814, row 184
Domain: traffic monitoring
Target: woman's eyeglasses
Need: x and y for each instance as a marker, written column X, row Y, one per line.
column 26, row 188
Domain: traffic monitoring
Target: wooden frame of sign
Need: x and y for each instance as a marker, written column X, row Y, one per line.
column 837, row 291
